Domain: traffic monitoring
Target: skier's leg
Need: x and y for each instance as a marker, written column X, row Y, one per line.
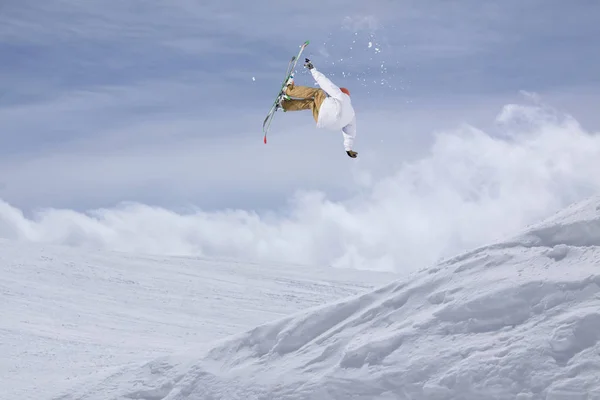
column 302, row 92
column 297, row 105
column 304, row 104
column 310, row 98
column 320, row 96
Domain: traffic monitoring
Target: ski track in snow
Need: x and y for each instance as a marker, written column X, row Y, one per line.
column 70, row 316
column 518, row 320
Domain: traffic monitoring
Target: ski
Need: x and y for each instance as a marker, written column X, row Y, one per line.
column 290, row 69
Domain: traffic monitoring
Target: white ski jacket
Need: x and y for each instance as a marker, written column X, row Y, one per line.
column 336, row 112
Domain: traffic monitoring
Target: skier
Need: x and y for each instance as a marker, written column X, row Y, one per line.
column 331, row 106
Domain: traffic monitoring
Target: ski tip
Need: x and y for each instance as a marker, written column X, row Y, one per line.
column 265, row 140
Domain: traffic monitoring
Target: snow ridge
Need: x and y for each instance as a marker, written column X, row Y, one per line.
column 514, row 320
column 69, row 315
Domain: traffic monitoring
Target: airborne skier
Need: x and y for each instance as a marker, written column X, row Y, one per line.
column 331, row 106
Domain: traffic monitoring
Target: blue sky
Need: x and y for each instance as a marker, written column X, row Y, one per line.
column 161, row 103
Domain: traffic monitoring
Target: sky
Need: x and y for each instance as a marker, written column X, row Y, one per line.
column 136, row 125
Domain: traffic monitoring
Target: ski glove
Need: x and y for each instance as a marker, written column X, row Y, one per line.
column 351, row 153
column 308, row 64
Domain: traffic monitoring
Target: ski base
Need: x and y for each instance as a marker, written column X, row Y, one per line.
column 291, row 66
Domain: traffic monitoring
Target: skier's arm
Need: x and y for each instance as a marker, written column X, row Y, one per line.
column 349, row 133
column 329, row 87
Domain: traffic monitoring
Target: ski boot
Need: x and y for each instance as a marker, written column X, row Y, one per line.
column 283, row 96
column 280, row 99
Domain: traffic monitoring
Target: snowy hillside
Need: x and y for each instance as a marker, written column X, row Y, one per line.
column 514, row 320
column 68, row 315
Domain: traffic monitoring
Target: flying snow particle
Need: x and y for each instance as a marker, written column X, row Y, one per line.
column 253, row 78
column 370, row 44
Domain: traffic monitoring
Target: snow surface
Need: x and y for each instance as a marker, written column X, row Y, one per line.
column 68, row 315
column 518, row 319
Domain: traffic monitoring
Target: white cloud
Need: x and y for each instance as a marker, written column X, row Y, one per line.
column 471, row 188
column 120, row 144
column 134, row 102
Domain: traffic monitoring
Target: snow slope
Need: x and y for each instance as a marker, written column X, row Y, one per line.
column 519, row 319
column 68, row 315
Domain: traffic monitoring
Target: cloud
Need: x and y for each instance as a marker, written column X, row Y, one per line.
column 130, row 144
column 472, row 187
column 153, row 102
